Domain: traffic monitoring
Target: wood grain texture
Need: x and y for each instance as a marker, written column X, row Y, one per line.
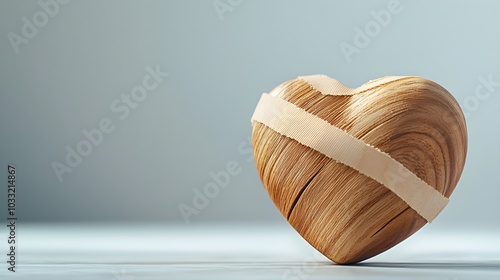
column 344, row 214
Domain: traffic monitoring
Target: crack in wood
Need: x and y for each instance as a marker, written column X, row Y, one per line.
column 301, row 192
column 386, row 224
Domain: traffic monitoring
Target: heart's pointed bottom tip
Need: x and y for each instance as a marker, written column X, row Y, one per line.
column 346, row 261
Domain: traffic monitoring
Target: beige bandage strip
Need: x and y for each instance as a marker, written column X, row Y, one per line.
column 329, row 86
column 294, row 122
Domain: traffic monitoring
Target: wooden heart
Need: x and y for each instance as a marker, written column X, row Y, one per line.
column 397, row 152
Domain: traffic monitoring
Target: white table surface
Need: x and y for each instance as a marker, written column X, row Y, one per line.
column 234, row 251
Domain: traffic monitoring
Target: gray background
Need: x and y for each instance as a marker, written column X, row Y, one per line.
column 67, row 76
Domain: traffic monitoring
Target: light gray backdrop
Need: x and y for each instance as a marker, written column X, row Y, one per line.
column 65, row 66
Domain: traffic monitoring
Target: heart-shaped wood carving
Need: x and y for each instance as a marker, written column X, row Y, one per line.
column 356, row 171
